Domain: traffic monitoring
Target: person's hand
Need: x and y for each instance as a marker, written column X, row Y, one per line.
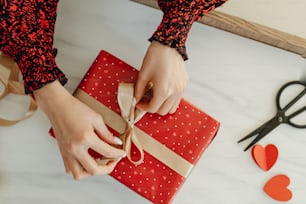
column 164, row 67
column 78, row 128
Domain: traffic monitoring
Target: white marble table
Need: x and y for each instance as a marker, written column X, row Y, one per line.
column 232, row 78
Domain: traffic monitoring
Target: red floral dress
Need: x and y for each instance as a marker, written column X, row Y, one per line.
column 27, row 28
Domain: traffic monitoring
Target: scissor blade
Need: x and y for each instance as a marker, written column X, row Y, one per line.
column 256, row 131
column 267, row 129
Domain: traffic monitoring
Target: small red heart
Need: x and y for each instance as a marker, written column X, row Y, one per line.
column 265, row 157
column 277, row 189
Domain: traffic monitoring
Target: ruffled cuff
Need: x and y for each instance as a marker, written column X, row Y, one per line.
column 27, row 29
column 38, row 69
column 178, row 18
column 179, row 15
column 173, row 31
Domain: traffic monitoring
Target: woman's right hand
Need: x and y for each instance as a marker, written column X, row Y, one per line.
column 78, row 128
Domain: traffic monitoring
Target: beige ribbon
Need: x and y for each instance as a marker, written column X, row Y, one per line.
column 131, row 134
column 131, row 115
column 9, row 73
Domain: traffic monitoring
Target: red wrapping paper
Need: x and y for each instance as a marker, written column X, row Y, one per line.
column 187, row 132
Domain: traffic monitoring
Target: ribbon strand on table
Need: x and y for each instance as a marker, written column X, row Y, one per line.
column 9, row 73
column 131, row 134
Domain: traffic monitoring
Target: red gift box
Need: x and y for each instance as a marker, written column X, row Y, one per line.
column 172, row 144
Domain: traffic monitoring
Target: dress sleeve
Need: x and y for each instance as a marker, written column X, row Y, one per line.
column 27, row 28
column 178, row 18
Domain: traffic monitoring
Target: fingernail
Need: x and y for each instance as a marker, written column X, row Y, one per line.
column 118, row 141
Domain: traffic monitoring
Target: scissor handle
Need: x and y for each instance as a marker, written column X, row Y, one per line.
column 291, row 103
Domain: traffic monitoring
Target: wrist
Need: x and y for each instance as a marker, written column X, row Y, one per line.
column 50, row 95
column 165, row 49
column 181, row 50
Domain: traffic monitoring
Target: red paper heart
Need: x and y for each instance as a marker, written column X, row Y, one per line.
column 277, row 189
column 265, row 157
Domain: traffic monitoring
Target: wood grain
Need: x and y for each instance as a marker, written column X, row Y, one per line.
column 248, row 29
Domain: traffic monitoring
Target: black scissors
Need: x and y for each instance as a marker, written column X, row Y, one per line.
column 280, row 116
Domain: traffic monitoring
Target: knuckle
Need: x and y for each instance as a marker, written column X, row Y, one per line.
column 163, row 93
column 172, row 110
column 143, row 75
column 107, row 152
column 99, row 118
column 109, row 170
column 181, row 88
column 94, row 171
column 84, row 139
column 77, row 177
column 71, row 148
column 74, row 146
column 163, row 112
column 152, row 109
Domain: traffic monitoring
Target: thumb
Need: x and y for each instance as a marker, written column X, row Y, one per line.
column 103, row 133
column 140, row 89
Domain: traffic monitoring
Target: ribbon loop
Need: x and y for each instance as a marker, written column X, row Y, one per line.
column 9, row 73
column 131, row 115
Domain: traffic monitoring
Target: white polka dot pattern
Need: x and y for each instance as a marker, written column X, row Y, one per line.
column 188, row 132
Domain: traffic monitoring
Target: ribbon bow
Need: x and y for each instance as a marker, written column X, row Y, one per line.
column 130, row 115
column 125, row 124
column 9, row 78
